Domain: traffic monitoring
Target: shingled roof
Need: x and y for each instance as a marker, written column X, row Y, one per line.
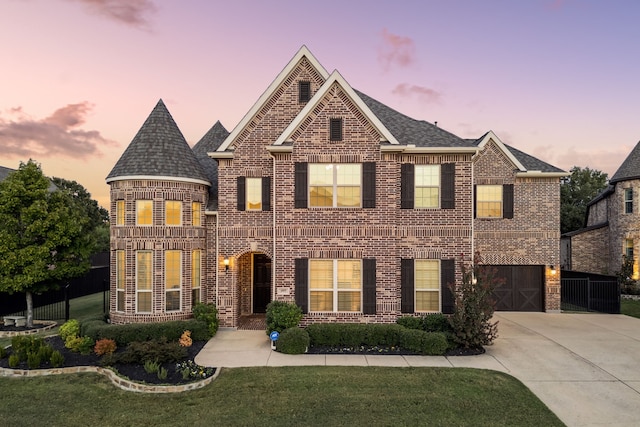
column 630, row 168
column 209, row 143
column 411, row 131
column 532, row 163
column 158, row 150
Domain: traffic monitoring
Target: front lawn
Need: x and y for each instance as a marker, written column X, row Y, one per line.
column 288, row 396
column 630, row 307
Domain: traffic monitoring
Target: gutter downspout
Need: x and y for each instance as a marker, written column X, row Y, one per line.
column 217, row 258
column 473, row 221
column 273, row 251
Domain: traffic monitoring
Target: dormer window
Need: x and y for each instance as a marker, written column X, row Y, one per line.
column 304, row 91
column 335, row 129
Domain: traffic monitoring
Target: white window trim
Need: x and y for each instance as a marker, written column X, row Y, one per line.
column 179, row 224
column 630, row 200
column 246, row 193
column 138, row 291
column 179, row 290
column 416, row 290
column 120, row 219
column 335, row 187
column 490, row 201
column 199, row 268
column 334, row 290
column 439, row 187
column 137, row 217
column 121, row 279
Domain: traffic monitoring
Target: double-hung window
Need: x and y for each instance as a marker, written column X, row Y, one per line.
column 144, row 212
column 337, row 185
column 427, row 186
column 120, row 280
column 196, row 214
column 172, row 279
column 628, row 200
column 489, row 201
column 427, row 285
column 144, row 283
column 254, row 194
column 173, row 212
column 119, row 212
column 196, row 262
column 335, row 285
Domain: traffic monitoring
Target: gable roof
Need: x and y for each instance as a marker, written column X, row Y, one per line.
column 208, row 143
column 336, row 78
column 303, row 52
column 5, row 172
column 525, row 163
column 630, row 168
column 158, row 150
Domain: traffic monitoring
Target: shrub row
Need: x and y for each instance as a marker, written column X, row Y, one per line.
column 293, row 341
column 356, row 335
column 436, row 322
column 124, row 334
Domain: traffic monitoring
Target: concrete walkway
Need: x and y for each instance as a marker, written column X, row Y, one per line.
column 584, row 367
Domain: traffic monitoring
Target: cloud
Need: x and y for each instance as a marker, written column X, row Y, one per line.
column 129, row 12
column 396, row 50
column 606, row 160
column 425, row 94
column 57, row 135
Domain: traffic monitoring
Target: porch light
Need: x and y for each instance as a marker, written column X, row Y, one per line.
column 553, row 270
column 226, row 264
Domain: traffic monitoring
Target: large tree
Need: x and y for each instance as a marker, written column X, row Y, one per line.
column 98, row 216
column 576, row 191
column 43, row 236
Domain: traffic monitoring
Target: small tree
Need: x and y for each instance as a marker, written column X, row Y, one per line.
column 474, row 305
column 625, row 276
column 43, row 239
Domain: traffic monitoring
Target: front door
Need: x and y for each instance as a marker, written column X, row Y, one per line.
column 261, row 282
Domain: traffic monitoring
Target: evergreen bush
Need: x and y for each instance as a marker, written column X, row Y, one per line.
column 282, row 315
column 293, row 341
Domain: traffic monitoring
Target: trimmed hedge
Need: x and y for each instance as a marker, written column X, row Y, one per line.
column 282, row 315
column 293, row 341
column 392, row 335
column 131, row 332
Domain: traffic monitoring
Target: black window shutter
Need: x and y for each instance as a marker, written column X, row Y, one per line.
column 335, row 129
column 475, row 200
column 448, row 186
column 369, row 286
column 304, row 91
column 447, row 277
column 407, row 284
column 266, row 193
column 406, row 186
column 241, row 191
column 302, row 283
column 369, row 185
column 300, row 185
column 507, row 201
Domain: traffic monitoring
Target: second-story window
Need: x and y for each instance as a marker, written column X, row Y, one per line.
column 628, row 200
column 173, row 212
column 335, row 129
column 254, row 194
column 196, row 214
column 427, row 182
column 120, row 212
column 335, row 185
column 144, row 212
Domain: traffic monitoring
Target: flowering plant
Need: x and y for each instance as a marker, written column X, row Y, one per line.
column 190, row 369
column 185, row 339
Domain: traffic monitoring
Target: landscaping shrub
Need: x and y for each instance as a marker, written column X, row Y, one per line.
column 82, row 345
column 45, row 351
column 22, row 345
column 33, row 360
column 160, row 351
column 3, row 352
column 282, row 315
column 162, row 373
column 190, row 369
column 436, row 322
column 428, row 343
column 151, row 366
column 125, row 334
column 207, row 313
column 105, row 346
column 14, row 360
column 185, row 340
column 410, row 322
column 57, row 359
column 293, row 341
column 70, row 328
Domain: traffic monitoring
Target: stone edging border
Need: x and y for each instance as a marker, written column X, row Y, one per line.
column 48, row 325
column 118, row 381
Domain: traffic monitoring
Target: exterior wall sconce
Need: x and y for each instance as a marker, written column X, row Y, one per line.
column 226, row 264
column 553, row 270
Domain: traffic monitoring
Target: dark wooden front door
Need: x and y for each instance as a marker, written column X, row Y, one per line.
column 261, row 282
column 523, row 289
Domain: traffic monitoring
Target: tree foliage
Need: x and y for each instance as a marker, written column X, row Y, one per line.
column 576, row 191
column 43, row 238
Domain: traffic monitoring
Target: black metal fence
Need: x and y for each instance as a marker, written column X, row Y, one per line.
column 54, row 305
column 589, row 292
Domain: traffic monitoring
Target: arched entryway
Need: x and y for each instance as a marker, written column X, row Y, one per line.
column 261, row 283
column 254, row 289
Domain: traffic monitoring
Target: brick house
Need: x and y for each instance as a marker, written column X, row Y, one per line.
column 324, row 196
column 612, row 227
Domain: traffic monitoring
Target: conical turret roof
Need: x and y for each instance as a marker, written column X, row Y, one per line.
column 158, row 150
column 630, row 168
column 208, row 144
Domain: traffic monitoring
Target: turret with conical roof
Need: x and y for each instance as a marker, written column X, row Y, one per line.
column 208, row 144
column 159, row 150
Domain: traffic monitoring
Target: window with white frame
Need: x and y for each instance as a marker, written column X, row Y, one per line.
column 489, row 201
column 172, row 279
column 120, row 280
column 196, row 278
column 427, row 285
column 119, row 212
column 173, row 212
column 337, row 185
column 196, row 214
column 144, row 212
column 427, row 186
column 254, row 194
column 144, row 281
column 628, row 200
column 335, row 285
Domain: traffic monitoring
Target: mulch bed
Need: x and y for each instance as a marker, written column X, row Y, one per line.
column 133, row 372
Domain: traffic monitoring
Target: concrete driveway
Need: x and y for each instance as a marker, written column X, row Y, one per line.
column 584, row 367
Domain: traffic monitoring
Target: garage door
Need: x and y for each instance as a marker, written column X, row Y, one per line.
column 523, row 289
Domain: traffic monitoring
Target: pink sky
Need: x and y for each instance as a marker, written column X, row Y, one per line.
column 557, row 79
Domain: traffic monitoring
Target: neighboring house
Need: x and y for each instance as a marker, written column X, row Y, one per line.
column 5, row 172
column 612, row 226
column 324, row 196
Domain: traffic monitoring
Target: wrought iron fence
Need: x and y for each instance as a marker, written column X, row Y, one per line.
column 589, row 293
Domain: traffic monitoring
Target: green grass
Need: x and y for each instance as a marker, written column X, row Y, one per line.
column 630, row 308
column 291, row 396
